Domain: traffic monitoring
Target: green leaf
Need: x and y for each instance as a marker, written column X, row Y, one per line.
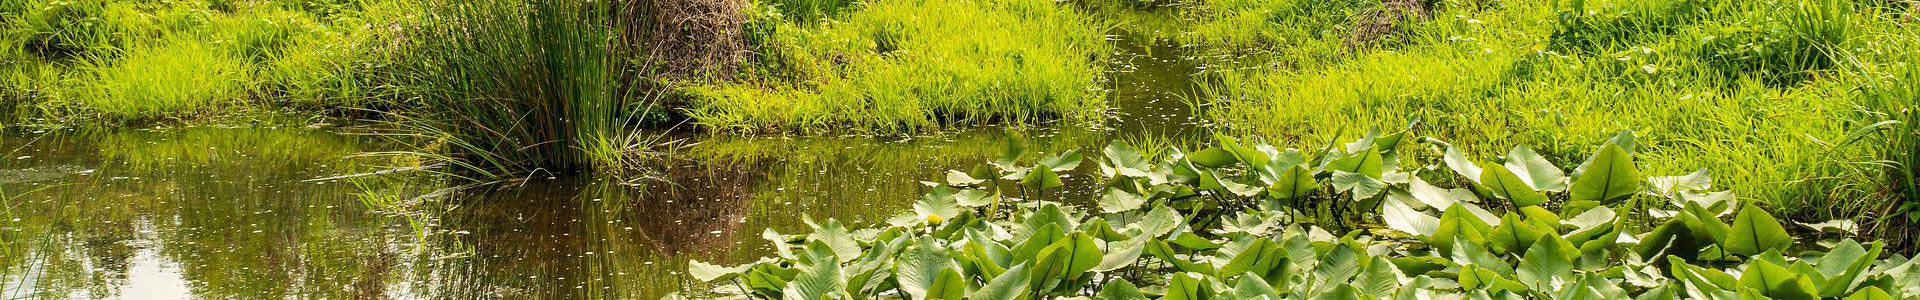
column 1539, row 174
column 709, row 273
column 1127, row 161
column 940, row 202
column 1063, row 162
column 1339, row 265
column 1513, row 235
column 1123, row 254
column 957, row 178
column 820, row 281
column 1186, row 286
column 1068, row 258
column 1159, row 221
column 1503, row 184
column 1031, row 246
column 949, row 285
column 1478, row 278
column 1041, row 179
column 972, row 198
column 837, row 239
column 1755, row 231
column 1361, row 186
column 1010, row 285
column 1117, row 200
column 1400, row 216
column 1258, row 257
column 1845, row 266
column 1545, row 262
column 1777, row 282
column 1609, row 175
column 1430, row 196
column 1458, row 161
column 1251, row 286
column 1120, row 289
column 1378, row 277
column 1366, row 162
column 1212, row 157
column 919, row 268
column 1870, row 293
column 1293, row 183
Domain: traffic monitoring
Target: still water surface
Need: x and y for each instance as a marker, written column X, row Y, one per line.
column 236, row 213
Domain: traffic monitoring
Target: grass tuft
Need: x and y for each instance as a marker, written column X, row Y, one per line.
column 510, row 86
column 169, row 80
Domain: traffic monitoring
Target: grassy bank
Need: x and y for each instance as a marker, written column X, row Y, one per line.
column 133, row 62
column 897, row 66
column 1779, row 98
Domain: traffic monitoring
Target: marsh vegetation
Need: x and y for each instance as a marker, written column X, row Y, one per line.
column 948, row 149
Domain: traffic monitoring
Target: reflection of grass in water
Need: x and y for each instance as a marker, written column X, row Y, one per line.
column 161, row 151
column 861, row 180
column 238, row 223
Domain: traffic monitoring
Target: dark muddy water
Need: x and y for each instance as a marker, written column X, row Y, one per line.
column 235, row 213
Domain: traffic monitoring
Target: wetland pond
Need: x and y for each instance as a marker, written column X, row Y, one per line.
column 251, row 212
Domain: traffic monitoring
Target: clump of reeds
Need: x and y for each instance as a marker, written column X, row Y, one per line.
column 512, row 86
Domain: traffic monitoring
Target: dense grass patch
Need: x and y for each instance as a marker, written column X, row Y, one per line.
column 510, row 86
column 909, row 65
column 124, row 62
column 1765, row 93
column 177, row 78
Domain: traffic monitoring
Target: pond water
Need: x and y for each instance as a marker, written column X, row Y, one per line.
column 237, row 213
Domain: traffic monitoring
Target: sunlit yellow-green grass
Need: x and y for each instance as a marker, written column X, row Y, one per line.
column 176, row 78
column 910, row 65
column 1767, row 96
column 138, row 61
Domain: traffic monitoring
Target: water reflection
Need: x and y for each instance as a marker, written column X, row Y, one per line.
column 230, row 214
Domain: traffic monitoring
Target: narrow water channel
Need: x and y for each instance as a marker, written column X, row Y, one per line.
column 234, row 213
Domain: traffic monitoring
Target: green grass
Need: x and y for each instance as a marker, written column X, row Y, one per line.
column 135, row 62
column 1764, row 94
column 1305, row 29
column 177, row 78
column 505, row 87
column 900, row 66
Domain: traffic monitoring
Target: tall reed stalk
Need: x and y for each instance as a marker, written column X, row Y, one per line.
column 505, row 87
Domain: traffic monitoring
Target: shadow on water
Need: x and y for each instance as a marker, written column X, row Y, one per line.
column 231, row 213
